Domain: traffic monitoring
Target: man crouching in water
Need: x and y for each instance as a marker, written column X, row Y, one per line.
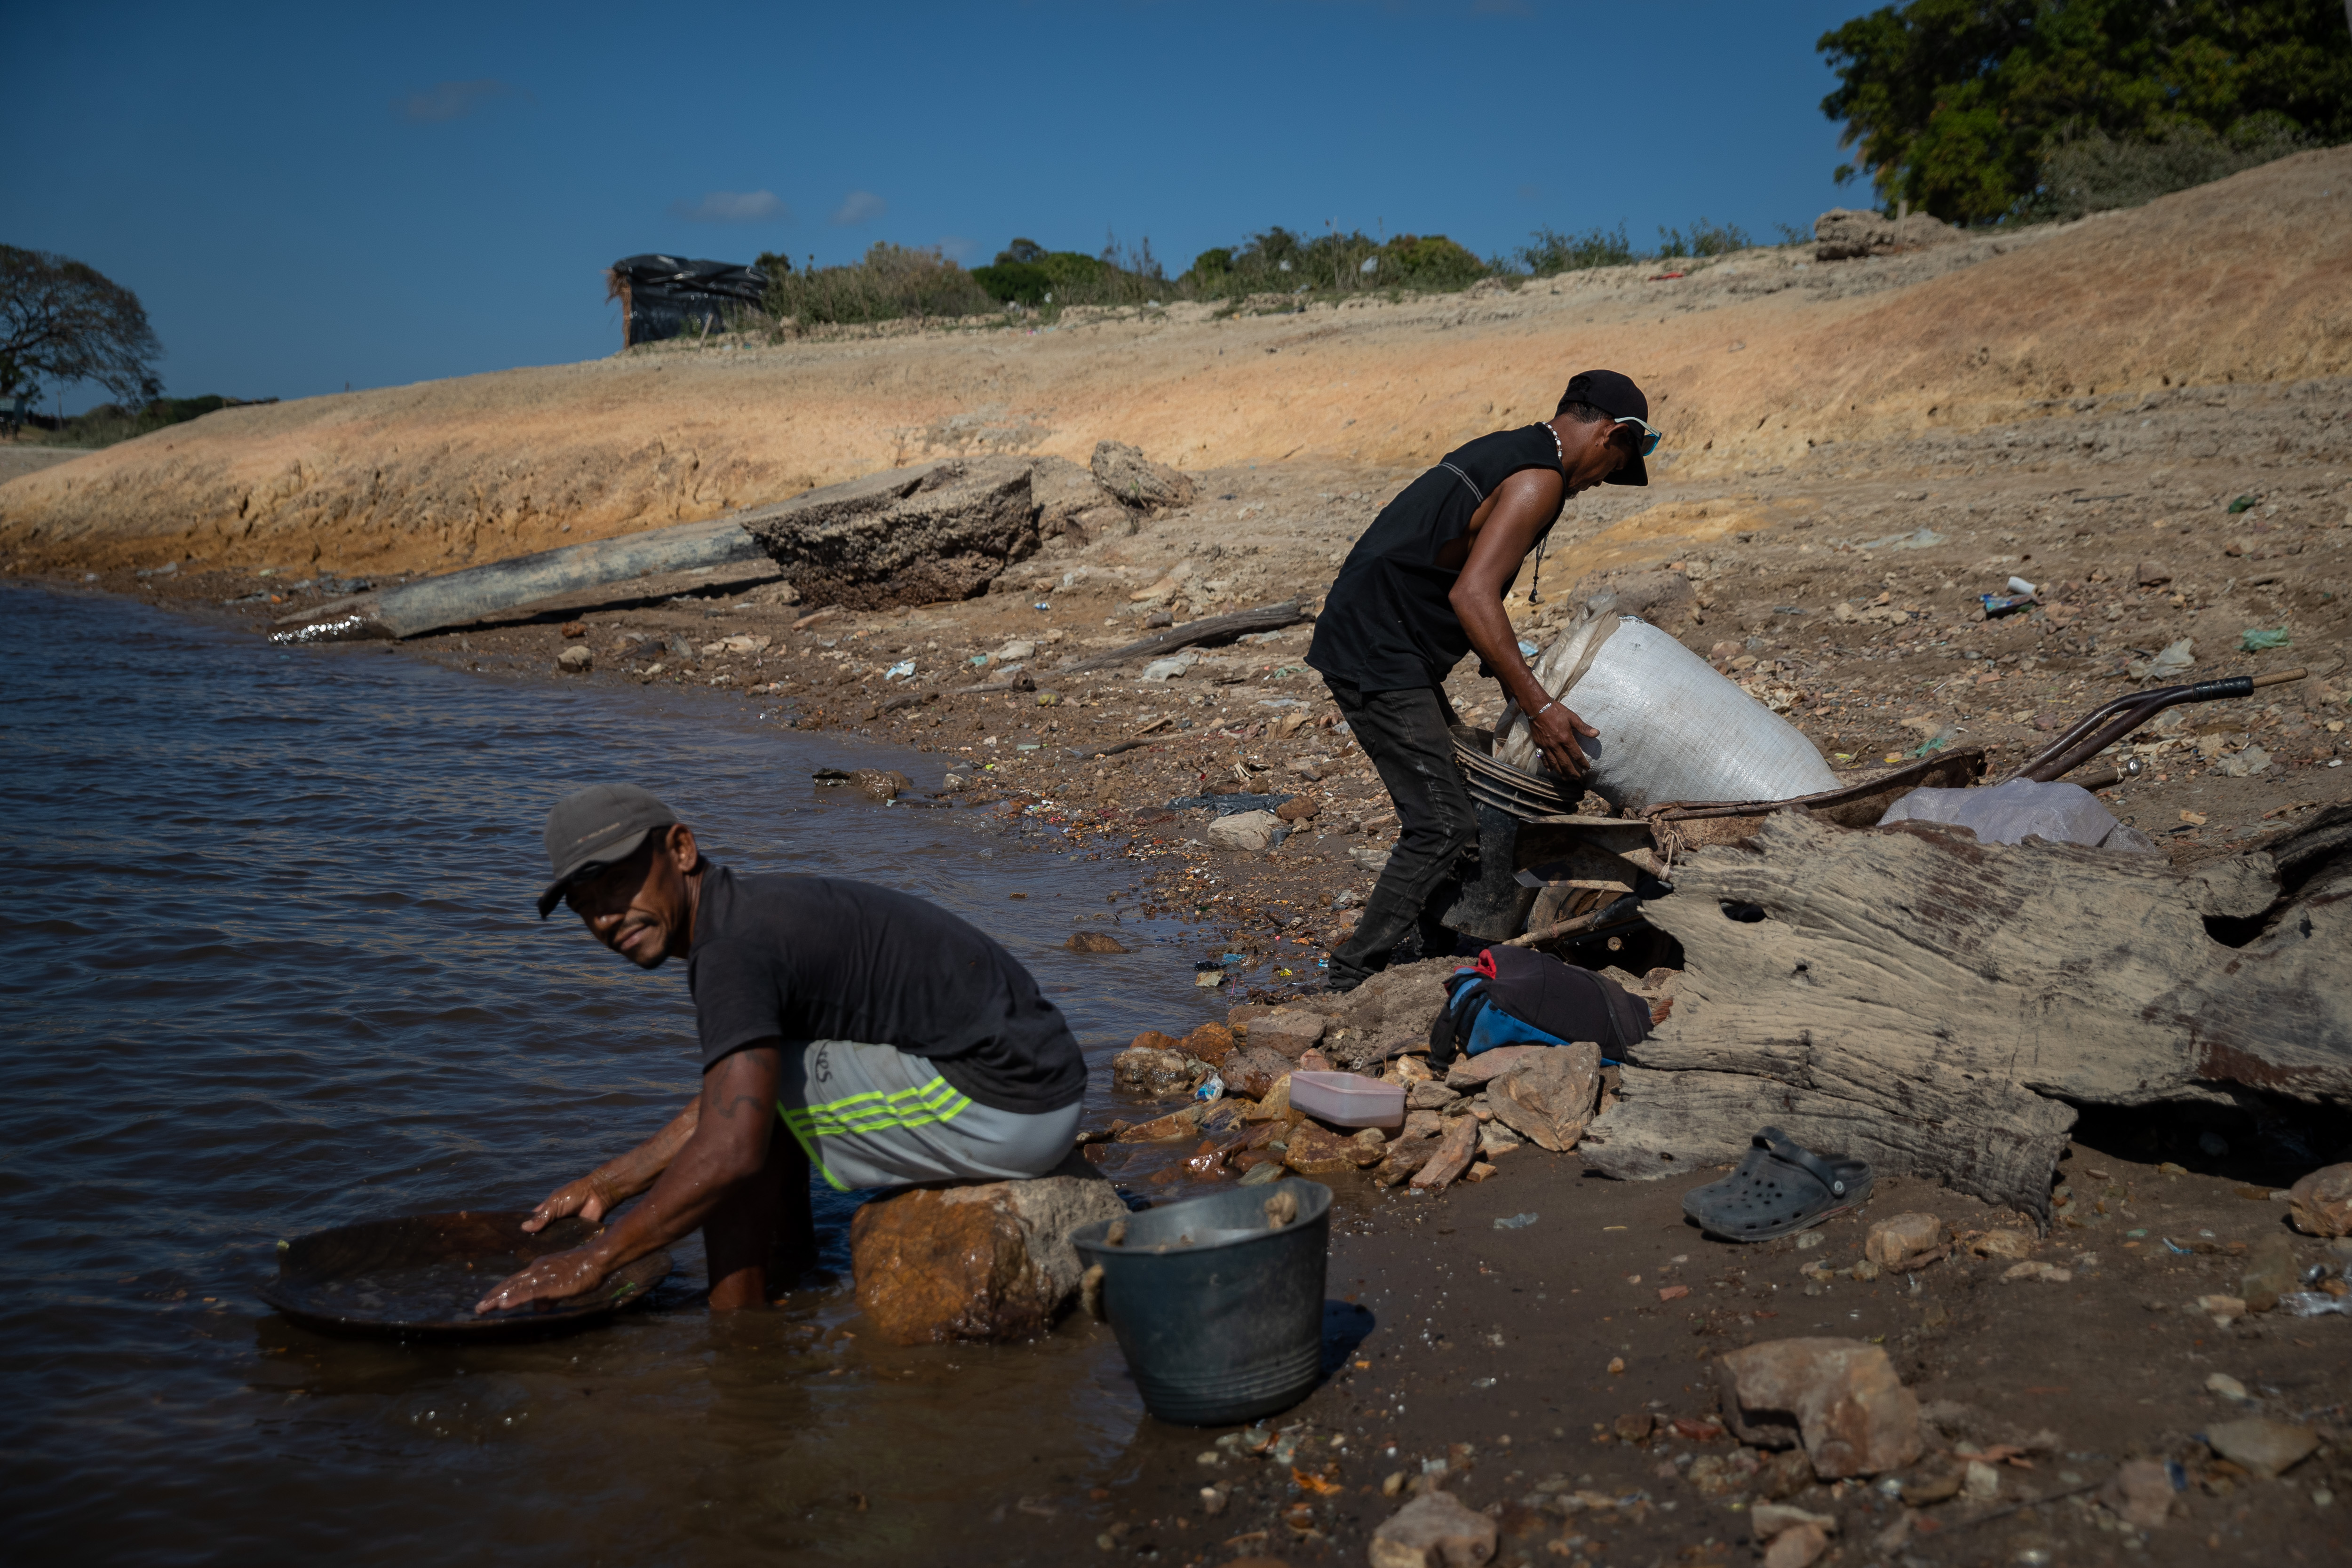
column 895, row 1043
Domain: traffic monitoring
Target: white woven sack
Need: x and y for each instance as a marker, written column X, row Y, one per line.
column 1671, row 727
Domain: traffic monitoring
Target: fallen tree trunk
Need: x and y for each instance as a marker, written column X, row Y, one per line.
column 1191, row 634
column 1938, row 1006
column 460, row 598
column 937, row 531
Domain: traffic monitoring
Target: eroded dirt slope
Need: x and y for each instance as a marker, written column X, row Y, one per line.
column 1755, row 361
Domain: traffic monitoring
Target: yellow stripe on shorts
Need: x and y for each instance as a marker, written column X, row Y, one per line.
column 873, row 1111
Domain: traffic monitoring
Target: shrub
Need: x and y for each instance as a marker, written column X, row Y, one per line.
column 110, row 422
column 1278, row 261
column 1431, row 262
column 2089, row 172
column 1026, row 273
column 1553, row 252
column 1705, row 239
column 889, row 283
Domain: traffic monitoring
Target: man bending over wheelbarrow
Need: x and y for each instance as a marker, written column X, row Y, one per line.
column 1423, row 586
column 894, row 1042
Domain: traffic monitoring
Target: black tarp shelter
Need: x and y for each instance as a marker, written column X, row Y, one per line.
column 662, row 296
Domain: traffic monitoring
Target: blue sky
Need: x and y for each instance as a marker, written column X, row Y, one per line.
column 305, row 196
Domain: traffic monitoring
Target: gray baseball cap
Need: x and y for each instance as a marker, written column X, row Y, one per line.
column 590, row 830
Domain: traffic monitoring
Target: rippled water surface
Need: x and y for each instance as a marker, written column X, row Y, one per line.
column 272, row 966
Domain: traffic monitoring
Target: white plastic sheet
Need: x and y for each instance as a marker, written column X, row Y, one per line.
column 2021, row 809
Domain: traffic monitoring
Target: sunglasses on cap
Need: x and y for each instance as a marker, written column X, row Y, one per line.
column 1647, row 442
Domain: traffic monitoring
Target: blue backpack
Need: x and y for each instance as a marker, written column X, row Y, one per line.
column 1517, row 996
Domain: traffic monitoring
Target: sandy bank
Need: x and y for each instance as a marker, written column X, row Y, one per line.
column 1755, row 362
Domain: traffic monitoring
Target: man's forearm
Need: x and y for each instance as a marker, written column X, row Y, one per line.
column 1497, row 641
column 633, row 1171
column 683, row 1195
column 728, row 1142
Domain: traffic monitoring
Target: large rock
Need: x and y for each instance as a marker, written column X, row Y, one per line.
column 906, row 536
column 2266, row 1447
column 1842, row 234
column 1907, row 1241
column 1386, row 1014
column 1135, row 480
column 2321, row 1203
column 1550, row 1097
column 1313, row 1151
column 1451, row 1156
column 1433, row 1530
column 1253, row 1070
column 1209, row 1042
column 1244, row 830
column 1142, row 1071
column 1288, row 1031
column 2140, row 1492
column 989, row 1260
column 1071, row 500
column 1475, row 1072
column 1840, row 1398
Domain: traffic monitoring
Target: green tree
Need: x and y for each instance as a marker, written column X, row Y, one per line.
column 1956, row 105
column 62, row 320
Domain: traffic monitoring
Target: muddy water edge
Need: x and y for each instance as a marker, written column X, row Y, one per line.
column 274, row 968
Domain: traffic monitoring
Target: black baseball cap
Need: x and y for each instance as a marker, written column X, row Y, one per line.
column 1618, row 397
column 594, row 827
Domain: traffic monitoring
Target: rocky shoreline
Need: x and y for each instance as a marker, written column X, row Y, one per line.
column 1540, row 1346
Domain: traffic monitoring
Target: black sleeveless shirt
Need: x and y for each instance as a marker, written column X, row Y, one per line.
column 1387, row 623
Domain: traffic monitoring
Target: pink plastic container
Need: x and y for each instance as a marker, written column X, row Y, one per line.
column 1346, row 1101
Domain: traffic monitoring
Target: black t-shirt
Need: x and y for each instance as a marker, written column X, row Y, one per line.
column 824, row 958
column 1387, row 623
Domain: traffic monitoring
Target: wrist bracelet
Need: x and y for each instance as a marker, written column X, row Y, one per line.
column 1547, row 708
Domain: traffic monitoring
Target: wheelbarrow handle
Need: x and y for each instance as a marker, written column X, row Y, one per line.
column 2102, row 727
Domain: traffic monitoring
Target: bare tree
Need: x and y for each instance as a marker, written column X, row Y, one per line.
column 63, row 321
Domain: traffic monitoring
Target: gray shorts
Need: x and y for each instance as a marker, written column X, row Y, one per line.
column 873, row 1116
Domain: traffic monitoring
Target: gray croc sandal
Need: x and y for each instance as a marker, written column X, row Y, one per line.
column 1781, row 1187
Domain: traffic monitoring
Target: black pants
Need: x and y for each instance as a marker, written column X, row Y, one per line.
column 1406, row 735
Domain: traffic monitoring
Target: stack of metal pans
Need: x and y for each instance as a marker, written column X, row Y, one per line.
column 1508, row 789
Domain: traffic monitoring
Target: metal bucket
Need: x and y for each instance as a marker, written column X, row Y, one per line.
column 1220, row 1315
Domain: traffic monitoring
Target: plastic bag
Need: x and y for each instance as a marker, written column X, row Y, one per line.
column 1671, row 727
column 2010, row 813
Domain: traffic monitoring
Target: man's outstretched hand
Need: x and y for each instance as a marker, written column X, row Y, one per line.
column 585, row 1197
column 1556, row 730
column 552, row 1278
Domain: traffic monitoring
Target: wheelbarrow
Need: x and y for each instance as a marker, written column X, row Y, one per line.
column 1550, row 873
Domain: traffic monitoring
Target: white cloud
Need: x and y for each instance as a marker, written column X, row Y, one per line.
column 734, row 206
column 859, row 207
column 955, row 247
column 453, row 100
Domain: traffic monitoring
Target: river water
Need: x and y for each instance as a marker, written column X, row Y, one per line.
column 273, row 967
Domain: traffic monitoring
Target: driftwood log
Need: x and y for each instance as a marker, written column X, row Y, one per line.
column 1939, row 1007
column 694, row 554
column 1194, row 634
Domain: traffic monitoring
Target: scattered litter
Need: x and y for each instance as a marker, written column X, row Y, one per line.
column 2253, row 639
column 2176, row 658
column 2020, row 585
column 1919, row 539
column 2243, row 503
column 1521, row 1221
column 900, row 670
column 1994, row 607
column 1211, row 1088
column 2302, row 1304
